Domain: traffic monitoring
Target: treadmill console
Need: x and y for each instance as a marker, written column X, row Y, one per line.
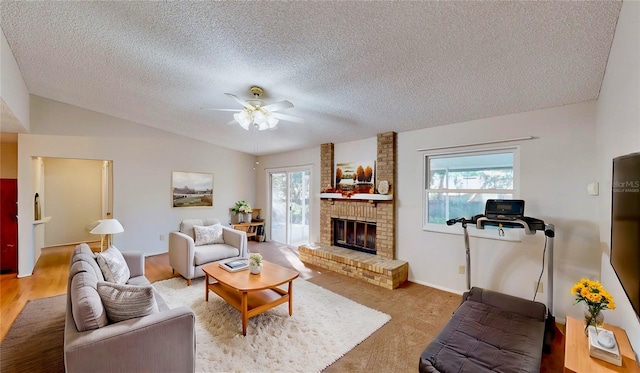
column 504, row 209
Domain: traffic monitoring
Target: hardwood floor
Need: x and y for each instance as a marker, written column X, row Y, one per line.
column 418, row 312
column 49, row 278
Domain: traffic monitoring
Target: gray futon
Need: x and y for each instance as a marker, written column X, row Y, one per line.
column 489, row 332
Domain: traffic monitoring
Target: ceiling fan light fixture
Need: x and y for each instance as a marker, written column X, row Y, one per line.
column 272, row 122
column 259, row 117
column 245, row 125
column 257, row 114
column 243, row 119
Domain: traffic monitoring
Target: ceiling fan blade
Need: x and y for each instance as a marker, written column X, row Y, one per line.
column 278, row 106
column 286, row 117
column 236, row 110
column 240, row 101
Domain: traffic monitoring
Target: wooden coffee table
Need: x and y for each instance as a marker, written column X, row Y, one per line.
column 251, row 294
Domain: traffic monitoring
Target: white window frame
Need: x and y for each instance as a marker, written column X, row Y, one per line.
column 488, row 232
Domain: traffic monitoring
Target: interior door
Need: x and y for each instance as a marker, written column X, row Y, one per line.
column 290, row 209
column 8, row 225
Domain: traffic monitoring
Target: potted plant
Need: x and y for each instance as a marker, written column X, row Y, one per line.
column 242, row 212
column 255, row 263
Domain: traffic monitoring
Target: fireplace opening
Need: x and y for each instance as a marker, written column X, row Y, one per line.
column 355, row 235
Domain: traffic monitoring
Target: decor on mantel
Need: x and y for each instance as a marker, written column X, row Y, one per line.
column 596, row 298
column 355, row 178
column 356, row 181
column 383, row 187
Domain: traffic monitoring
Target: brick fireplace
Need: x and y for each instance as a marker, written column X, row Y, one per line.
column 369, row 219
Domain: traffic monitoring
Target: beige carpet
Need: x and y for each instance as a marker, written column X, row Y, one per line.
column 36, row 339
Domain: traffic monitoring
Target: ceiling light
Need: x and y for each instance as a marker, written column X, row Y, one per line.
column 262, row 116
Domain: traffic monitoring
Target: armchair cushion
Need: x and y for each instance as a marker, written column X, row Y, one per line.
column 124, row 302
column 211, row 253
column 113, row 266
column 208, row 235
column 186, row 226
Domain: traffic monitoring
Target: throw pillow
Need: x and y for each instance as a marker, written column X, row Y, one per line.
column 124, row 302
column 113, row 266
column 208, row 235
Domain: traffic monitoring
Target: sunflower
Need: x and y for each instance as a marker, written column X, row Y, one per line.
column 594, row 295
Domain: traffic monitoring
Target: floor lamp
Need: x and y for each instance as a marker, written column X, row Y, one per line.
column 107, row 227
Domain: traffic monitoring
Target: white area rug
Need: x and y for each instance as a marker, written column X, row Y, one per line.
column 324, row 326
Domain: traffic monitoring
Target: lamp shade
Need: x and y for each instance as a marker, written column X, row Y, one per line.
column 108, row 226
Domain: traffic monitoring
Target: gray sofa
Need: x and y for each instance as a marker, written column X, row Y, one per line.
column 489, row 332
column 163, row 341
column 188, row 259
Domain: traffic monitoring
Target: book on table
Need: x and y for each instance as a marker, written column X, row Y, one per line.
column 235, row 265
column 606, row 353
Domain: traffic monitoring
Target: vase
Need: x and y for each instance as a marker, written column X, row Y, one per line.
column 235, row 218
column 593, row 318
column 255, row 269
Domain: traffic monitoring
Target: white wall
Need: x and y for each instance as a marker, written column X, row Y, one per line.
column 13, row 90
column 143, row 159
column 618, row 129
column 555, row 170
column 73, row 198
column 8, row 160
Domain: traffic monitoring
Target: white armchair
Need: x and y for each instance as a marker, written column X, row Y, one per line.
column 188, row 259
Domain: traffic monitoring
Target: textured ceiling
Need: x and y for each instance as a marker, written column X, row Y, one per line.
column 352, row 69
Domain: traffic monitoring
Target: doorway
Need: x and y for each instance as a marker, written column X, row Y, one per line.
column 290, row 205
column 76, row 193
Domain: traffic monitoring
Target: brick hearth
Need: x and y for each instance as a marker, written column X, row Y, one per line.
column 381, row 268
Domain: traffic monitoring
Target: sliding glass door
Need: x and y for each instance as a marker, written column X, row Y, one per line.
column 290, row 206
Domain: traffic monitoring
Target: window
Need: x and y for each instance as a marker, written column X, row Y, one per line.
column 459, row 184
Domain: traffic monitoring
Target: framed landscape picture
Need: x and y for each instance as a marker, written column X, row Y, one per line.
column 358, row 177
column 191, row 189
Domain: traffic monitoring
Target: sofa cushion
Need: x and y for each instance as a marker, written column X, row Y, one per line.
column 186, row 226
column 210, row 253
column 82, row 248
column 113, row 266
column 90, row 261
column 483, row 338
column 86, row 305
column 138, row 281
column 124, row 302
column 208, row 235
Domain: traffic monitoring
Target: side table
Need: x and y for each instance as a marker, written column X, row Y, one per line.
column 250, row 228
column 576, row 354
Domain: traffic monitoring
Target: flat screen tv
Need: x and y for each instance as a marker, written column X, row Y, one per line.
column 625, row 225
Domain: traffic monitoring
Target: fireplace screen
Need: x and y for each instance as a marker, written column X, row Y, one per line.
column 355, row 235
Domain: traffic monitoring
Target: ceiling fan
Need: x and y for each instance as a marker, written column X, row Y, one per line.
column 256, row 113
